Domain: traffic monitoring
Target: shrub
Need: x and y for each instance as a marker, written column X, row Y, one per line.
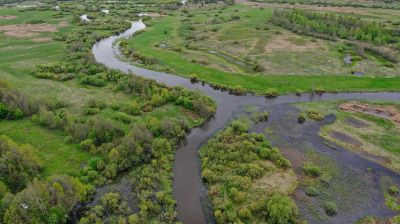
column 330, row 208
column 260, row 116
column 314, row 115
column 312, row 170
column 302, row 118
column 271, row 92
column 393, row 190
column 194, row 78
column 244, row 213
column 69, row 139
column 3, row 111
column 238, row 90
column 240, row 126
column 92, row 80
column 55, row 198
column 319, row 90
column 91, row 111
column 18, row 163
column 87, row 145
column 312, row 191
column 275, row 156
column 281, row 209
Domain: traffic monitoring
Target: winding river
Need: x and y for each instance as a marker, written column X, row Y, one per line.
column 189, row 191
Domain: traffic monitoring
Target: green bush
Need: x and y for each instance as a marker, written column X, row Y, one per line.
column 312, row 191
column 240, row 126
column 3, row 111
column 330, row 208
column 194, row 78
column 260, row 116
column 271, row 92
column 312, row 170
column 393, row 190
column 302, row 118
column 281, row 209
column 315, row 115
column 92, row 80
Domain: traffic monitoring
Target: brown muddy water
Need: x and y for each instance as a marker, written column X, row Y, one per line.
column 189, row 191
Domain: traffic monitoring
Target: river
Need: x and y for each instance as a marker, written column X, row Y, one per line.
column 189, row 191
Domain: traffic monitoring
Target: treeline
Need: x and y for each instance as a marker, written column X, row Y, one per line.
column 386, row 4
column 18, row 165
column 343, row 27
column 231, row 162
column 331, row 26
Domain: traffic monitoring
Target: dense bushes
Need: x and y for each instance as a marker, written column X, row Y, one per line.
column 18, row 164
column 14, row 105
column 112, row 207
column 344, row 27
column 231, row 162
column 44, row 201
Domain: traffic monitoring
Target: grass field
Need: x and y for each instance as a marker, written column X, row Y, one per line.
column 221, row 49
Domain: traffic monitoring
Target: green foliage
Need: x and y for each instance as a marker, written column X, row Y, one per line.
column 271, row 92
column 240, row 125
column 112, row 207
column 312, row 191
column 330, row 208
column 14, row 105
column 393, row 190
column 55, row 198
column 315, row 115
column 3, row 111
column 274, row 155
column 302, row 118
column 312, row 170
column 281, row 209
column 260, row 116
column 18, row 164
